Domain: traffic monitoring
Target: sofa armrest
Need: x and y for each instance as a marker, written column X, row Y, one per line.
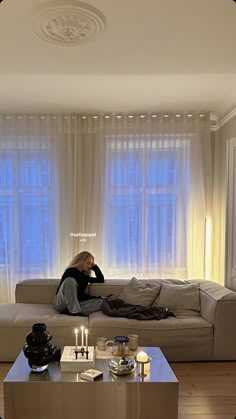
column 218, row 306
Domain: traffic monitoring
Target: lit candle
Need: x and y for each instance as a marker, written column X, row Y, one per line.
column 76, row 339
column 142, row 357
column 82, row 335
column 86, row 339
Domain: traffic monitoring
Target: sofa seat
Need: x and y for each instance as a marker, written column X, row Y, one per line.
column 16, row 322
column 181, row 338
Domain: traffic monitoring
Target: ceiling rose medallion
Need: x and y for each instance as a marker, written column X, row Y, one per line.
column 68, row 22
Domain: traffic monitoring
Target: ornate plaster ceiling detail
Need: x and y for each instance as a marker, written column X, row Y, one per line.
column 68, row 22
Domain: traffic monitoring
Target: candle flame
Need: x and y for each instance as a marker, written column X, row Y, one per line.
column 76, row 331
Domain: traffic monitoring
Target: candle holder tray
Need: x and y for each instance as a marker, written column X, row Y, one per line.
column 72, row 362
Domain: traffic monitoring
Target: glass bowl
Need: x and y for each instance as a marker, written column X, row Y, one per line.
column 121, row 365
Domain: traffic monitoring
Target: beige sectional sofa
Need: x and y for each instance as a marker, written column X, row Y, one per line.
column 206, row 334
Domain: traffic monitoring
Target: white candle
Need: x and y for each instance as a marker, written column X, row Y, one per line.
column 76, row 339
column 86, row 339
column 142, row 356
column 82, row 335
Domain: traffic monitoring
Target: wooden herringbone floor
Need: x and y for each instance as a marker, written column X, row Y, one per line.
column 206, row 390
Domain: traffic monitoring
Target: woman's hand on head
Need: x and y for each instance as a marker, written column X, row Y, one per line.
column 87, row 264
column 93, row 263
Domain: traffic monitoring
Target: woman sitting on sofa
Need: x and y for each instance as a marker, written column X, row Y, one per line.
column 71, row 297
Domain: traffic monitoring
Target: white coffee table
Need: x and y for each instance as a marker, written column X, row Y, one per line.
column 56, row 395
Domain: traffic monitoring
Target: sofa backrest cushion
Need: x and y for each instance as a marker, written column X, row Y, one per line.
column 180, row 297
column 110, row 286
column 42, row 291
column 140, row 293
column 39, row 291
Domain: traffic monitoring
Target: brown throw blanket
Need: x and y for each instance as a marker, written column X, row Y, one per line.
column 118, row 308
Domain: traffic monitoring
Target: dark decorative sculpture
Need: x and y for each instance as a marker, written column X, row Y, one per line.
column 38, row 348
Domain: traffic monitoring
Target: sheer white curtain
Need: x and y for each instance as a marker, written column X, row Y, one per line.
column 135, row 190
column 158, row 194
column 51, row 174
column 141, row 192
column 28, row 195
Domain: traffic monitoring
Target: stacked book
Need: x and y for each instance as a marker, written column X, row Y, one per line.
column 71, row 363
column 91, row 375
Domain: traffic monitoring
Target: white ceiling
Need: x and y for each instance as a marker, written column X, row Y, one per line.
column 155, row 55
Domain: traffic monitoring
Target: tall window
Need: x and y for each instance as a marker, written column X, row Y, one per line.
column 147, row 190
column 27, row 218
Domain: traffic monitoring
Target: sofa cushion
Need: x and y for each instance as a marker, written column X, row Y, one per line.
column 20, row 315
column 136, row 292
column 39, row 291
column 179, row 297
column 16, row 322
column 178, row 337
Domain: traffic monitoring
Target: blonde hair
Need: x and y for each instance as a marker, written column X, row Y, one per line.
column 79, row 259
